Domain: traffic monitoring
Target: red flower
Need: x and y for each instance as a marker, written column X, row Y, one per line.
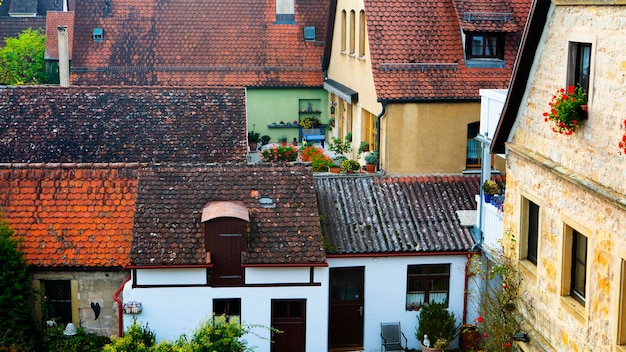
column 505, row 286
column 479, row 319
column 485, row 335
column 507, row 345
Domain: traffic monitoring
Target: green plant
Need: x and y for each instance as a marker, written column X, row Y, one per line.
column 265, row 139
column 310, row 122
column 364, row 146
column 339, row 146
column 282, row 139
column 348, row 137
column 371, row 158
column 53, row 340
column 308, row 152
column 22, row 59
column 435, row 321
column 217, row 334
column 565, row 109
column 16, row 325
column 138, row 338
column 279, row 154
column 338, row 159
column 254, row 137
column 491, row 187
column 320, row 163
column 350, row 165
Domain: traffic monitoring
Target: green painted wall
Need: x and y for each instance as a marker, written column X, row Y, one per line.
column 267, row 106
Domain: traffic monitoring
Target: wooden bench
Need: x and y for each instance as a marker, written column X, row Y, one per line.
column 314, row 135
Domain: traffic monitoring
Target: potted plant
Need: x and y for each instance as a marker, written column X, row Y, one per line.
column 283, row 139
column 371, row 159
column 436, row 326
column 335, row 166
column 253, row 139
column 568, row 108
column 364, row 147
column 339, row 146
column 265, row 139
column 310, row 122
column 350, row 166
column 490, row 187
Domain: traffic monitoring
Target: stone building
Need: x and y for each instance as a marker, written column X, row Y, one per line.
column 566, row 197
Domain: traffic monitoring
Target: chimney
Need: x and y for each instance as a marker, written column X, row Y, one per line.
column 64, row 60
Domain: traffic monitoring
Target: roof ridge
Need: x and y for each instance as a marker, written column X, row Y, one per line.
column 117, row 165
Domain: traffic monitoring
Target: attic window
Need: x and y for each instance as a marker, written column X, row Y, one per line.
column 309, row 34
column 98, row 35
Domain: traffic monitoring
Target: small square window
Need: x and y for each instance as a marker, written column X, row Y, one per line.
column 484, row 46
column 427, row 283
column 98, row 35
column 227, row 306
column 309, row 34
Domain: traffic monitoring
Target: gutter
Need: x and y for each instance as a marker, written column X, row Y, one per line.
column 120, row 316
column 378, row 117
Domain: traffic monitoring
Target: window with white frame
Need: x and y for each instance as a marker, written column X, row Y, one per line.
column 427, row 283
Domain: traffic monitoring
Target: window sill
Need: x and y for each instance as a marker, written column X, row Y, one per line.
column 362, row 58
column 529, row 270
column 343, row 52
column 574, row 308
column 620, row 348
column 484, row 63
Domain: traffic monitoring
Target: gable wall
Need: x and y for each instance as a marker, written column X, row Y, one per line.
column 576, row 180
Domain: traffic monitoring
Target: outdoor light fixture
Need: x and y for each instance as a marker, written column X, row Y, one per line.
column 520, row 336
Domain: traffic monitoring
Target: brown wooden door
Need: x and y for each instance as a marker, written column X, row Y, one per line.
column 346, row 307
column 289, row 316
column 226, row 238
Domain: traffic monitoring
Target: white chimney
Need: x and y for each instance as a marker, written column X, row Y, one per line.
column 64, row 60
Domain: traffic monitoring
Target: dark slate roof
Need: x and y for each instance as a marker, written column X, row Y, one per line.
column 130, row 124
column 70, row 215
column 168, row 228
column 198, row 42
column 417, row 53
column 395, row 214
column 10, row 27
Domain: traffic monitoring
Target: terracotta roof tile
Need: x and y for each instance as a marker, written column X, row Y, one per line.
column 43, row 204
column 197, row 42
column 54, row 19
column 170, row 201
column 417, row 54
column 122, row 124
column 395, row 214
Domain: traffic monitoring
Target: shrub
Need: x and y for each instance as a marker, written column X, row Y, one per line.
column 137, row 339
column 371, row 158
column 216, row 334
column 55, row 341
column 320, row 163
column 435, row 321
column 350, row 165
column 16, row 325
column 279, row 154
column 309, row 151
column 339, row 146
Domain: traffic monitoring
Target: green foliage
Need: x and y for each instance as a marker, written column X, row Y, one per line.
column 55, row 341
column 371, row 158
column 138, row 338
column 265, row 139
column 22, row 59
column 254, row 137
column 339, row 146
column 338, row 159
column 435, row 321
column 364, row 146
column 491, row 187
column 350, row 165
column 16, row 325
column 217, row 334
column 310, row 122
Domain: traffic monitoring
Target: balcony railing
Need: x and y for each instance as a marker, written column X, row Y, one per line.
column 493, row 227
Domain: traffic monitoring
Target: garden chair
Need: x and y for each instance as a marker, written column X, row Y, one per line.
column 391, row 336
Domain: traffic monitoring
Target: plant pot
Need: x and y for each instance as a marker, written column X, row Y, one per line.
column 334, row 170
column 430, row 349
column 370, row 168
column 487, row 198
column 253, row 146
column 584, row 112
column 468, row 340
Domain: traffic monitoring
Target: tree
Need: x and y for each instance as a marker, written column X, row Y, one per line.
column 16, row 325
column 22, row 59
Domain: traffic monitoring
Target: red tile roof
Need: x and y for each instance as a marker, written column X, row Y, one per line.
column 55, row 19
column 395, row 214
column 197, row 42
column 70, row 215
column 168, row 227
column 417, row 53
column 486, row 16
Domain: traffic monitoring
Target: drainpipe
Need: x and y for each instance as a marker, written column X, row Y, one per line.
column 120, row 315
column 378, row 117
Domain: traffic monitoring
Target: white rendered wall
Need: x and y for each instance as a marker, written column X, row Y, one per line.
column 172, row 277
column 171, row 312
column 385, row 293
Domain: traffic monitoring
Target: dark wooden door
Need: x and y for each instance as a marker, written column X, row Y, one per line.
column 226, row 238
column 289, row 316
column 346, row 307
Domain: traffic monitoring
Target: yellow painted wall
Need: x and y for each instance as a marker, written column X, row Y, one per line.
column 426, row 137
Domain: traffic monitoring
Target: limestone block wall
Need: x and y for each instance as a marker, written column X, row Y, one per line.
column 577, row 181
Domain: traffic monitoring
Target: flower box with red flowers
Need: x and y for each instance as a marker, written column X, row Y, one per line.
column 566, row 109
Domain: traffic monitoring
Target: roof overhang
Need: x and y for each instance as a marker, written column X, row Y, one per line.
column 341, row 91
column 235, row 209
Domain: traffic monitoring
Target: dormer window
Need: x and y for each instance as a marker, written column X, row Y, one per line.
column 484, row 46
column 225, row 238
